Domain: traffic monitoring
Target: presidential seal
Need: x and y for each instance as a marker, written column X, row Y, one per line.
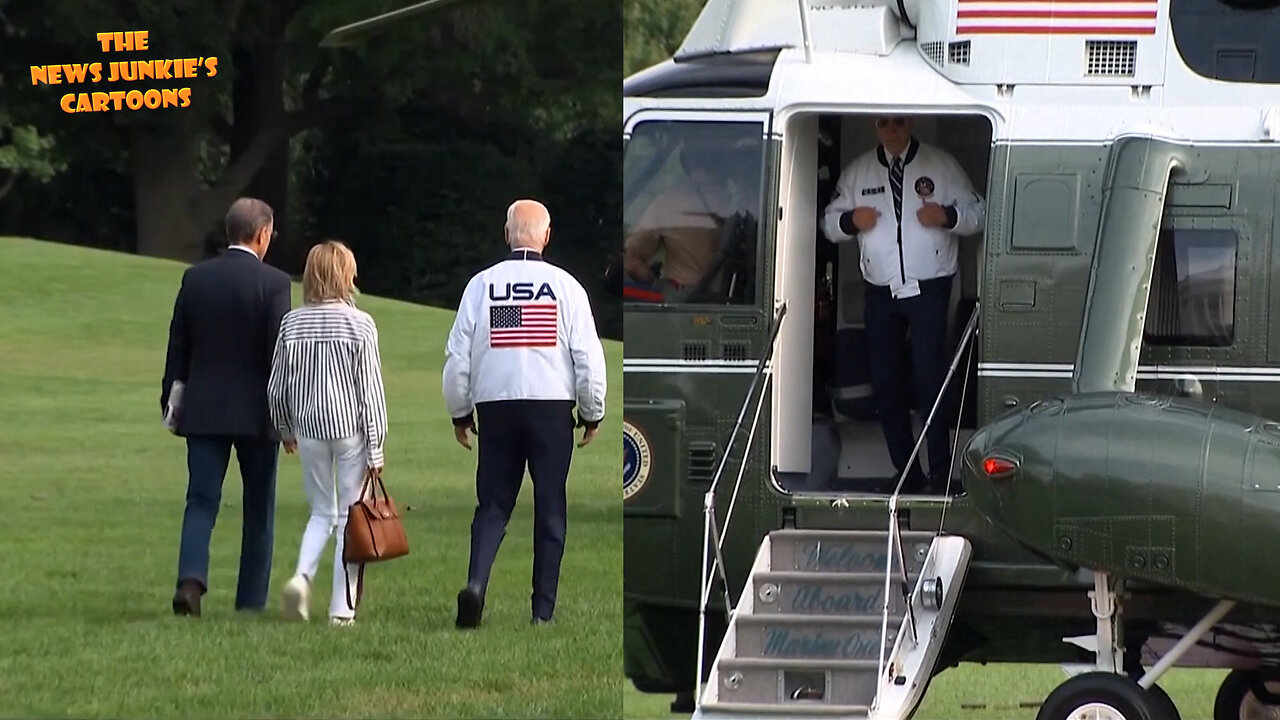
column 924, row 187
column 636, row 460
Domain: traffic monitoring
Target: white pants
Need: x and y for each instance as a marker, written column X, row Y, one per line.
column 332, row 476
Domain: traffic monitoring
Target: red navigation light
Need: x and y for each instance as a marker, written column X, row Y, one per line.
column 996, row 467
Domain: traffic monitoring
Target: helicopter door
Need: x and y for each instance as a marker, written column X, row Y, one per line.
column 827, row 435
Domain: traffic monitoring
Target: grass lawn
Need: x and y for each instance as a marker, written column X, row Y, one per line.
column 95, row 488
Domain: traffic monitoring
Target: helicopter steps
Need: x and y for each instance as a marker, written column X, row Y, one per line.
column 805, row 640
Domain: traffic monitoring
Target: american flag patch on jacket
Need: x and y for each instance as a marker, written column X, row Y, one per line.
column 523, row 325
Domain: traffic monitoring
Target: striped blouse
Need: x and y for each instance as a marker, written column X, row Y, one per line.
column 326, row 377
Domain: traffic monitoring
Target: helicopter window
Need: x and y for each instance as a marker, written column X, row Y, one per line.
column 1193, row 289
column 691, row 209
column 1230, row 40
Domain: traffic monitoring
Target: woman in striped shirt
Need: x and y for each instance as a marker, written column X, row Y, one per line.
column 327, row 400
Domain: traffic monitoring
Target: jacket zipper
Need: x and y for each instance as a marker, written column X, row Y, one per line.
column 902, row 263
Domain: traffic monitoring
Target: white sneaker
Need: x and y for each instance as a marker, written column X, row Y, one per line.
column 297, row 598
column 342, row 621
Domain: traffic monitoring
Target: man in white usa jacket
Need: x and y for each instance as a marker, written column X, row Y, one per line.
column 522, row 352
column 906, row 202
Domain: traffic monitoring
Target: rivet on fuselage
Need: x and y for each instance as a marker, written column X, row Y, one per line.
column 1161, row 561
column 1065, row 543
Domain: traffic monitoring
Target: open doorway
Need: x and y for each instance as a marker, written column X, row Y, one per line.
column 842, row 447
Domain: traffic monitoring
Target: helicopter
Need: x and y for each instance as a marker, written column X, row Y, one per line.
column 1111, row 393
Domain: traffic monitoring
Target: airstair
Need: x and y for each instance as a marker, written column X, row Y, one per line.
column 830, row 623
column 817, row 623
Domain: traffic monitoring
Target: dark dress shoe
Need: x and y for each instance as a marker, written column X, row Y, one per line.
column 539, row 621
column 915, row 484
column 186, row 601
column 470, row 608
column 938, row 485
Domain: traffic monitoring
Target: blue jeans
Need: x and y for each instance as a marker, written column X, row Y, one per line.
column 207, row 458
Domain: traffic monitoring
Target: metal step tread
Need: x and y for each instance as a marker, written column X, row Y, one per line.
column 907, row 535
column 793, row 663
column 800, row 619
column 799, row 709
column 815, row 576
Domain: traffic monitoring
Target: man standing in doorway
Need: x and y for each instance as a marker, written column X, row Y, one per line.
column 906, row 202
column 214, row 394
column 522, row 351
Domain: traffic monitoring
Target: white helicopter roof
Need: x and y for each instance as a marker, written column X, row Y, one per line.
column 1100, row 69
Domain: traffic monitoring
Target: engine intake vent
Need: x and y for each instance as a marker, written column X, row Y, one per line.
column 933, row 51
column 702, row 462
column 735, row 350
column 958, row 53
column 695, row 351
column 1110, row 58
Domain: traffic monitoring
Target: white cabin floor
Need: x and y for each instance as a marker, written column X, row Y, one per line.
column 862, row 455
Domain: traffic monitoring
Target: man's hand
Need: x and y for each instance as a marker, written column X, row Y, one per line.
column 932, row 215
column 290, row 446
column 460, row 432
column 864, row 218
column 637, row 270
column 588, row 434
column 373, row 472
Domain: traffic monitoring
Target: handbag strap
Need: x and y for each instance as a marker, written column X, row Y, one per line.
column 372, row 483
column 378, row 485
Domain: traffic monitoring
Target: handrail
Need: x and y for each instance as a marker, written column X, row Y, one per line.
column 895, row 532
column 709, row 526
column 955, row 442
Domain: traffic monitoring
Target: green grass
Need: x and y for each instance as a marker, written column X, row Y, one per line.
column 991, row 692
column 94, row 492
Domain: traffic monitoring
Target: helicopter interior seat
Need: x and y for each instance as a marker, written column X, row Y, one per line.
column 729, row 280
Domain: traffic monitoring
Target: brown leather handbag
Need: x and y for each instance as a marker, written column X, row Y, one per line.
column 374, row 532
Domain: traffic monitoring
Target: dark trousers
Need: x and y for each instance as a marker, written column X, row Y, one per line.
column 888, row 322
column 207, row 458
column 514, row 433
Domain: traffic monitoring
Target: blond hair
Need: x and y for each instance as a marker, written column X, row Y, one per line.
column 330, row 273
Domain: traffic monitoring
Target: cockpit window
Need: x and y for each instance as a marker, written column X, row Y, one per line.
column 1229, row 40
column 691, row 193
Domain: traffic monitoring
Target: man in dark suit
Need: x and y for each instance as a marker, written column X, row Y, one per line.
column 221, row 339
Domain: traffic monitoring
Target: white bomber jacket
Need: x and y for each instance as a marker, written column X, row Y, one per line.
column 524, row 331
column 922, row 253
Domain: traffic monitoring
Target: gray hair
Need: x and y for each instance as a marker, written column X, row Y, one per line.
column 527, row 230
column 246, row 218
